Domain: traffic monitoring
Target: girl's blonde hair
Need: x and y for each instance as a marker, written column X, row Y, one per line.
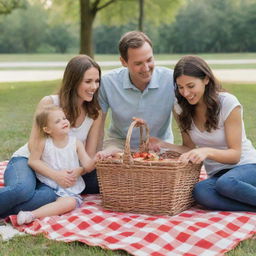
column 43, row 116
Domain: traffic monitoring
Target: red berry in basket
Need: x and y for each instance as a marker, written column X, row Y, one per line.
column 144, row 154
column 136, row 155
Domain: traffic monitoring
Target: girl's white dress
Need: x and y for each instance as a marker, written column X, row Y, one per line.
column 62, row 159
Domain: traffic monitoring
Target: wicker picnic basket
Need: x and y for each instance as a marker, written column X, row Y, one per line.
column 147, row 187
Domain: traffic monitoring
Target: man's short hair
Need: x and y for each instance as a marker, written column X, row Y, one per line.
column 132, row 39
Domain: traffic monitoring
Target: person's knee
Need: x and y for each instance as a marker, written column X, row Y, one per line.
column 226, row 185
column 199, row 192
column 71, row 204
column 22, row 192
column 47, row 193
column 204, row 194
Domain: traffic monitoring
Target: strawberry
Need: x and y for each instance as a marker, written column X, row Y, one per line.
column 136, row 155
column 144, row 155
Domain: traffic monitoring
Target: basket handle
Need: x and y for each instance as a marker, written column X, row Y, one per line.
column 143, row 147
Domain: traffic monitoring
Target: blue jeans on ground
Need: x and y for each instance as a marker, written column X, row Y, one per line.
column 229, row 190
column 23, row 191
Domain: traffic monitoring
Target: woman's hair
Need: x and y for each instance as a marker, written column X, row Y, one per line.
column 196, row 67
column 72, row 78
column 132, row 39
column 42, row 118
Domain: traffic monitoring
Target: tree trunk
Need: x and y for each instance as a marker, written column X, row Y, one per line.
column 86, row 18
column 141, row 15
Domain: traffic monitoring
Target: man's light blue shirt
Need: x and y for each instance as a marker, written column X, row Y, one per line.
column 154, row 104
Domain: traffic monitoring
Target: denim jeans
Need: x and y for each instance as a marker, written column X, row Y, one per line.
column 91, row 183
column 22, row 190
column 229, row 190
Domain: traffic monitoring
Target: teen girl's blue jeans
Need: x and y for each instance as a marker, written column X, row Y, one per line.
column 23, row 191
column 229, row 190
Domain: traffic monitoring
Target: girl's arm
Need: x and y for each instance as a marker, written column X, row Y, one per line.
column 65, row 178
column 87, row 163
column 233, row 135
column 92, row 140
column 37, row 164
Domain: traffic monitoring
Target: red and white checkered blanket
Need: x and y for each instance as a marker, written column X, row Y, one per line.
column 191, row 233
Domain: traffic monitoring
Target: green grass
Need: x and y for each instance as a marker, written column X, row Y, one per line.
column 39, row 245
column 17, row 104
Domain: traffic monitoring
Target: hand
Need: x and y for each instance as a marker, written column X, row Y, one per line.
column 139, row 121
column 196, row 156
column 66, row 178
column 102, row 155
column 154, row 144
column 79, row 171
column 106, row 153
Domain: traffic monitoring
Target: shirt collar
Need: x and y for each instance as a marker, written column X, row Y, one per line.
column 128, row 85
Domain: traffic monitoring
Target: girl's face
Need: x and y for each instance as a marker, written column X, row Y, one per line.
column 89, row 85
column 192, row 88
column 57, row 123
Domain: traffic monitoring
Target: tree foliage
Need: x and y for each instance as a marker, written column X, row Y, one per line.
column 199, row 26
column 212, row 26
column 23, row 31
column 121, row 12
column 7, row 6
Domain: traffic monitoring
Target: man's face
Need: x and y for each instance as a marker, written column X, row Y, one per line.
column 140, row 64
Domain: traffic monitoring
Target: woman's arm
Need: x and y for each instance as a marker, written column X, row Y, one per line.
column 93, row 137
column 187, row 143
column 233, row 135
column 156, row 144
column 87, row 163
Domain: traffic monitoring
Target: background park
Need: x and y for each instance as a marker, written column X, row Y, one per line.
column 39, row 37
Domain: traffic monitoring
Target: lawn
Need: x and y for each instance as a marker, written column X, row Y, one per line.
column 17, row 103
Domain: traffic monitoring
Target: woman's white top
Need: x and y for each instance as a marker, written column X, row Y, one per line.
column 65, row 158
column 80, row 132
column 217, row 139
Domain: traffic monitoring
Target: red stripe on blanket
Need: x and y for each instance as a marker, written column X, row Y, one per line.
column 2, row 168
column 191, row 233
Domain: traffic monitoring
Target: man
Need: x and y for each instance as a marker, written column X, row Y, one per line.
column 138, row 89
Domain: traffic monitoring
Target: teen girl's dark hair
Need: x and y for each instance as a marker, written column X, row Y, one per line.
column 196, row 67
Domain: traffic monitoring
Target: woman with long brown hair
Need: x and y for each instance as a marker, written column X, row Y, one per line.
column 212, row 130
column 78, row 98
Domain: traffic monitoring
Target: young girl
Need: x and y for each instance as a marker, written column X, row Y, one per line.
column 60, row 151
column 213, row 131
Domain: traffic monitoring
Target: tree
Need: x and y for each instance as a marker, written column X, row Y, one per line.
column 6, row 6
column 141, row 15
column 88, row 11
column 121, row 12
